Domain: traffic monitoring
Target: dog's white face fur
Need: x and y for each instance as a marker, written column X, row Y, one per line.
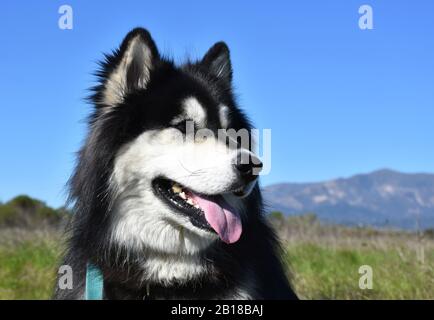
column 206, row 166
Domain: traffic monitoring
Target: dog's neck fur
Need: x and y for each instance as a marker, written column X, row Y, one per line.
column 159, row 276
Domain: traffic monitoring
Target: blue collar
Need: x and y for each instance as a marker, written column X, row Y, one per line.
column 94, row 282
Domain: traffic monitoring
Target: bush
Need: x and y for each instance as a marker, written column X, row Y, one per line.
column 25, row 202
column 24, row 211
column 7, row 214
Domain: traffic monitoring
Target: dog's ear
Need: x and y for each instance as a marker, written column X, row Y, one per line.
column 218, row 62
column 130, row 67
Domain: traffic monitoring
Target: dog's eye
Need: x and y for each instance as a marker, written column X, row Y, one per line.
column 184, row 124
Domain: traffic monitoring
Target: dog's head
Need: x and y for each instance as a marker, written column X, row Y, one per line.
column 168, row 150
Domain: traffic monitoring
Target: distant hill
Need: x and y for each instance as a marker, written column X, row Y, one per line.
column 383, row 198
column 26, row 212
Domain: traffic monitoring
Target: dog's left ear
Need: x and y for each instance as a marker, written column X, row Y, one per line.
column 218, row 62
column 130, row 67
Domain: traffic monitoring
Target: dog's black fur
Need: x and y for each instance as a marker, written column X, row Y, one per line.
column 253, row 259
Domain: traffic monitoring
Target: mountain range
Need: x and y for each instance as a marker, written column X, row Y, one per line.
column 383, row 198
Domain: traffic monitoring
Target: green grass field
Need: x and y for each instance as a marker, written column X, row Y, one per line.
column 320, row 272
column 324, row 263
column 28, row 269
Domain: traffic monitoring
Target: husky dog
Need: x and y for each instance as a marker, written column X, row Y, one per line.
column 164, row 216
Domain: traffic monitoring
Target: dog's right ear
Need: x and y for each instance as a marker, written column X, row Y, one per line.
column 218, row 62
column 129, row 68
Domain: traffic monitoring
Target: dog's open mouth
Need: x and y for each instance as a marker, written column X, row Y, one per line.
column 211, row 213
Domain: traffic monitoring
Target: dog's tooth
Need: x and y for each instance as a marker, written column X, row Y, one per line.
column 182, row 195
column 189, row 201
column 196, row 206
column 176, row 188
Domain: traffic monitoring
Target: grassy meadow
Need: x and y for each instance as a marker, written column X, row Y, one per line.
column 28, row 263
column 323, row 260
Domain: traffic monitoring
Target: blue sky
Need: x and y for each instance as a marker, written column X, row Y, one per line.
column 339, row 100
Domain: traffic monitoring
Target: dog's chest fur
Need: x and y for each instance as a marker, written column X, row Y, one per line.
column 185, row 278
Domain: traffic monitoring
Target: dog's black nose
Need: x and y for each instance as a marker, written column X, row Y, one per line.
column 248, row 166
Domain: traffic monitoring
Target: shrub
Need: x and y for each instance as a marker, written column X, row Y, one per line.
column 24, row 211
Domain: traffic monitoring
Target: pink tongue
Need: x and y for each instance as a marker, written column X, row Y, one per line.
column 224, row 219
